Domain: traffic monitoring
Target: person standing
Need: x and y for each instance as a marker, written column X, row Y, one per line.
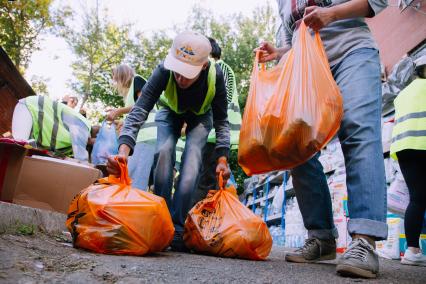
column 409, row 148
column 190, row 89
column 355, row 65
column 129, row 85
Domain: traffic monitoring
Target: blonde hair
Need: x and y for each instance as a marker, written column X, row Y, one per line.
column 123, row 76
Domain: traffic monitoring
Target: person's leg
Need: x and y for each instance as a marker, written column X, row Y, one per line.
column 358, row 77
column 208, row 173
column 197, row 130
column 79, row 136
column 313, row 197
column 140, row 164
column 22, row 122
column 413, row 168
column 168, row 131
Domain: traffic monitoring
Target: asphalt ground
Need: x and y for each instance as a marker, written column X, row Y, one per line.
column 41, row 258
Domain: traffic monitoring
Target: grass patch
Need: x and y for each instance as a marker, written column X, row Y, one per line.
column 25, row 230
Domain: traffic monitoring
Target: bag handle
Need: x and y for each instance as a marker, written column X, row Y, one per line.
column 303, row 29
column 220, row 181
column 256, row 62
column 124, row 175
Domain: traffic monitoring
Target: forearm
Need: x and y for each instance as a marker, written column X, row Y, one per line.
column 132, row 124
column 124, row 110
column 352, row 9
column 282, row 50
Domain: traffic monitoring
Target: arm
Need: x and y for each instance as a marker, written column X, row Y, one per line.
column 221, row 125
column 145, row 103
column 318, row 17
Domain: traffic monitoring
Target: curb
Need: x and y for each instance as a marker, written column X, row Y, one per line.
column 46, row 221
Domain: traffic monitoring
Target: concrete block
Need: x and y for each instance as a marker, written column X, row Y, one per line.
column 46, row 221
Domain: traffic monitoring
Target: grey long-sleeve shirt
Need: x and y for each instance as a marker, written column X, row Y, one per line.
column 340, row 37
column 192, row 97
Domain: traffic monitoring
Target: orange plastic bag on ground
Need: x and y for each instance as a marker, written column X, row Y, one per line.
column 221, row 225
column 114, row 218
column 293, row 109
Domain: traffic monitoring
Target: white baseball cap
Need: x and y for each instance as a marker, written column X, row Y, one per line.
column 189, row 52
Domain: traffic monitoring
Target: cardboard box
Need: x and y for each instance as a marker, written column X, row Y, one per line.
column 11, row 159
column 51, row 184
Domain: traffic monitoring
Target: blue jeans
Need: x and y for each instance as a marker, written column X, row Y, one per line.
column 358, row 77
column 79, row 136
column 169, row 125
column 140, row 164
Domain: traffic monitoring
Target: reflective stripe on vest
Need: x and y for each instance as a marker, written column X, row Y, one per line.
column 409, row 131
column 170, row 96
column 148, row 131
column 234, row 114
column 48, row 128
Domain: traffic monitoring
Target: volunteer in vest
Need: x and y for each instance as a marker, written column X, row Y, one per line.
column 355, row 64
column 208, row 173
column 53, row 125
column 194, row 92
column 129, row 85
column 409, row 148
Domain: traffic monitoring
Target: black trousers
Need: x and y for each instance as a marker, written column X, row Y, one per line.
column 413, row 168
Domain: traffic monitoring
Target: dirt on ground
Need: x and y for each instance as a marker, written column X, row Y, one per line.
column 34, row 257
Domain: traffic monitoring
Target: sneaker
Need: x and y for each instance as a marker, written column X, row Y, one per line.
column 359, row 260
column 313, row 250
column 178, row 244
column 411, row 258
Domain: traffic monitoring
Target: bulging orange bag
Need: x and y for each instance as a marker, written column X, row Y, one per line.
column 221, row 225
column 293, row 109
column 112, row 217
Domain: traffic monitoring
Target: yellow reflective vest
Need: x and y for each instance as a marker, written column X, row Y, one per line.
column 409, row 131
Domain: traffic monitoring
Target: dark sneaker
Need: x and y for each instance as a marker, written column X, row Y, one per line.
column 313, row 250
column 359, row 260
column 178, row 244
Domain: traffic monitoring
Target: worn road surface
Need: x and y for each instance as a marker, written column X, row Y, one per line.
column 41, row 258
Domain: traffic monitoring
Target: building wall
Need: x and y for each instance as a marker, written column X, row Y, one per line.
column 397, row 33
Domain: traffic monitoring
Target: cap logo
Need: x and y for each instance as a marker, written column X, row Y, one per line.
column 186, row 53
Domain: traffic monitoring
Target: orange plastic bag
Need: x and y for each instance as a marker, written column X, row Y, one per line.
column 293, row 109
column 114, row 218
column 221, row 225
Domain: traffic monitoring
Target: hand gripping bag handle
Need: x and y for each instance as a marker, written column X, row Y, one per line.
column 124, row 175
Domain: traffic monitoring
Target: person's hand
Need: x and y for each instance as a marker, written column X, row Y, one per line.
column 112, row 165
column 222, row 166
column 112, row 114
column 318, row 17
column 268, row 52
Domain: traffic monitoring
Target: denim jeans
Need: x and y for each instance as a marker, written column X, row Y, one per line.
column 169, row 125
column 358, row 77
column 140, row 164
column 79, row 136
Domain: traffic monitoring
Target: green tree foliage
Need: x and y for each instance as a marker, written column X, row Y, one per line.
column 98, row 46
column 22, row 23
column 237, row 35
column 149, row 52
column 38, row 84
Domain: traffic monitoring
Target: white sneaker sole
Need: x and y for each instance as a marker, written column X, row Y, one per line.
column 410, row 262
column 352, row 271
